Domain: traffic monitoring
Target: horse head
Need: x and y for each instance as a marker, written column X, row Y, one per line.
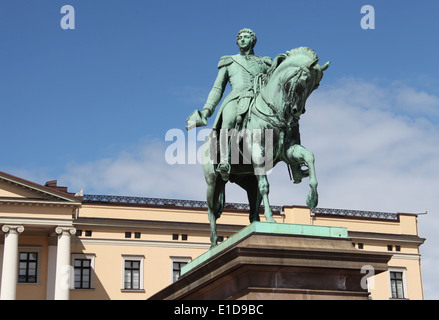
column 298, row 75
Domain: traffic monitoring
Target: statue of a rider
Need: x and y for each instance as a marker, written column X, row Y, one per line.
column 240, row 71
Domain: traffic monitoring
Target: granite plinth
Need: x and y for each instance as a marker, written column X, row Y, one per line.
column 268, row 228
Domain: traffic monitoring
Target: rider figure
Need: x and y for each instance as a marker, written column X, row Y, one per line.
column 240, row 71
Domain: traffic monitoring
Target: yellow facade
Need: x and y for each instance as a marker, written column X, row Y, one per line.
column 101, row 247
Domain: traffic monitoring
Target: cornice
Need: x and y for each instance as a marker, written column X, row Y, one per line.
column 38, row 202
column 143, row 243
column 35, row 221
column 389, row 237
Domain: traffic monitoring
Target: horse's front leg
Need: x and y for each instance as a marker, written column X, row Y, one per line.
column 297, row 153
column 264, row 186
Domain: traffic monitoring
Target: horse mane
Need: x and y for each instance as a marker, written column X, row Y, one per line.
column 303, row 51
column 299, row 52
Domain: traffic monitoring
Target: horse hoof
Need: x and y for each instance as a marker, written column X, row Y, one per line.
column 312, row 199
column 312, row 203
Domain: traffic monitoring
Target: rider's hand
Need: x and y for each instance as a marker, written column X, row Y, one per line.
column 205, row 114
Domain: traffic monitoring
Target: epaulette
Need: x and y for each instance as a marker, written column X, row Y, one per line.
column 225, row 61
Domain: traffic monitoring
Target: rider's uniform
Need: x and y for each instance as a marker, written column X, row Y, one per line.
column 239, row 70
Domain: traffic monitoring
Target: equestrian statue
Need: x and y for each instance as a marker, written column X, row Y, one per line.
column 257, row 125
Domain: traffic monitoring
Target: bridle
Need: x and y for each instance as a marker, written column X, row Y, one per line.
column 275, row 119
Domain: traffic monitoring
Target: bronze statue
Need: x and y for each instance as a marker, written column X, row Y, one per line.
column 257, row 125
column 238, row 70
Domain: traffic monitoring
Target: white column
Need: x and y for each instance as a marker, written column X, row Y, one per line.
column 10, row 262
column 63, row 267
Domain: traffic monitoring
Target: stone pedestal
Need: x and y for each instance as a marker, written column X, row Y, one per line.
column 278, row 261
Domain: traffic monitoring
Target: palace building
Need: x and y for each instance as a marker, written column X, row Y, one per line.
column 58, row 245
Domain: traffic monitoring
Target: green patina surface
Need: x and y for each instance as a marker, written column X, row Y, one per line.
column 268, row 228
column 257, row 125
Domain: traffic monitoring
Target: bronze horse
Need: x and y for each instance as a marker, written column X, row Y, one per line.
column 268, row 133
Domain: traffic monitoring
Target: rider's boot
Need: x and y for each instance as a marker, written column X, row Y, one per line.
column 224, row 167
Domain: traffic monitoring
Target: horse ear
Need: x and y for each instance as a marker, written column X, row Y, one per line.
column 325, row 66
column 313, row 63
column 278, row 60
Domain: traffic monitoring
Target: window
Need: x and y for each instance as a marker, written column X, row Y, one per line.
column 176, row 236
column 177, row 263
column 87, row 233
column 132, row 273
column 389, row 247
column 27, row 271
column 397, row 285
column 83, row 270
column 397, row 248
column 360, row 246
column 82, row 273
column 176, row 270
column 129, row 234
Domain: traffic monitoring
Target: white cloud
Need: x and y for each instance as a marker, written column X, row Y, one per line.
column 141, row 173
column 370, row 146
column 379, row 152
column 376, row 148
column 417, row 103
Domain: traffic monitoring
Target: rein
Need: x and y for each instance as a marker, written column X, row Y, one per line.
column 274, row 119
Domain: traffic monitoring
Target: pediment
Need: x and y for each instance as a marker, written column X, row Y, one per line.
column 18, row 190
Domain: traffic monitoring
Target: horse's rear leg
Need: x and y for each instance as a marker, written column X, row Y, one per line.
column 215, row 205
column 213, row 233
column 261, row 164
column 254, row 199
column 211, row 213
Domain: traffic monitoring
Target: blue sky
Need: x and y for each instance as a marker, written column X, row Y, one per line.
column 133, row 69
column 91, row 106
